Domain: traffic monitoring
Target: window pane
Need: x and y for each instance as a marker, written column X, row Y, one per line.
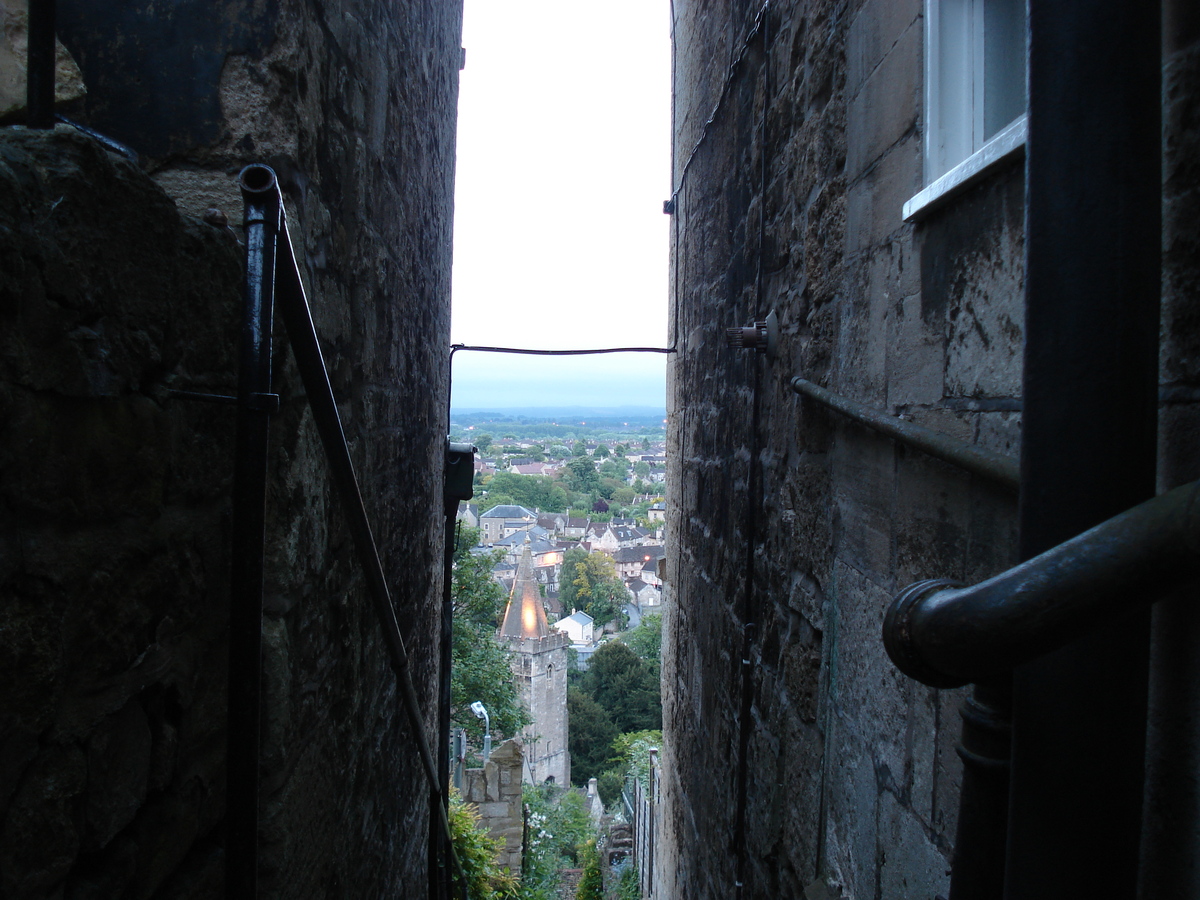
column 1004, row 63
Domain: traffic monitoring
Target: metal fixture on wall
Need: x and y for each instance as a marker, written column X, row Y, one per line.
column 945, row 635
column 762, row 336
column 481, row 713
column 256, row 403
column 978, row 461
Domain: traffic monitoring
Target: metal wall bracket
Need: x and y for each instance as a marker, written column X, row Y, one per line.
column 762, row 336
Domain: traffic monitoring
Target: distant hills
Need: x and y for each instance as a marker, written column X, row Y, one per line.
column 551, row 413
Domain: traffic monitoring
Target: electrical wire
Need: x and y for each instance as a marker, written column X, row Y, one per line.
column 454, row 348
column 730, row 74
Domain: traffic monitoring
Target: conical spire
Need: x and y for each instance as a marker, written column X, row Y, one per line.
column 525, row 617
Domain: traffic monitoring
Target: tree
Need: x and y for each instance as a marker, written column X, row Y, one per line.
column 582, row 476
column 590, row 733
column 580, row 449
column 610, row 468
column 631, row 753
column 646, row 640
column 600, row 452
column 479, row 665
column 622, row 685
column 641, row 468
column 630, row 757
column 532, row 491
column 483, row 442
column 588, row 581
column 493, row 499
column 609, row 487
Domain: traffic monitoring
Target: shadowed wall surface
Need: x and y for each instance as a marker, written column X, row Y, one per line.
column 114, row 497
column 796, row 755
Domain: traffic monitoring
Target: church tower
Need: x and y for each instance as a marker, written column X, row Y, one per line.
column 540, row 673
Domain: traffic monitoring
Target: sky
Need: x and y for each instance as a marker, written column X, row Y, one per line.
column 560, row 241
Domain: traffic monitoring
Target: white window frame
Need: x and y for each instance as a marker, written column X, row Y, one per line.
column 957, row 151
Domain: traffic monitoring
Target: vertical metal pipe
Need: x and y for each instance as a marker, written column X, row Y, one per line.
column 262, row 211
column 979, row 842
column 438, row 843
column 40, row 64
column 1088, row 444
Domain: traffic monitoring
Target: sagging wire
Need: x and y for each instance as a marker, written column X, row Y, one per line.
column 730, row 74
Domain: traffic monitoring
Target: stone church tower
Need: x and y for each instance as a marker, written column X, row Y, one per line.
column 540, row 671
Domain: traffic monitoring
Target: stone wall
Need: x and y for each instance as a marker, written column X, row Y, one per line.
column 796, row 755
column 114, row 498
column 495, row 790
column 113, row 526
column 792, row 527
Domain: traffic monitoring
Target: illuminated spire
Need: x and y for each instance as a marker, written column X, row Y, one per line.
column 525, row 617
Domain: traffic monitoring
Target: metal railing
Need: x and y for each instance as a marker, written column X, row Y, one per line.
column 994, row 467
column 272, row 273
column 946, row 635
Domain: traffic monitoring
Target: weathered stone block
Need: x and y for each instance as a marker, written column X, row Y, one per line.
column 875, row 200
column 875, row 31
column 864, row 474
column 910, row 865
column 493, row 810
column 916, row 359
column 885, row 110
column 868, row 690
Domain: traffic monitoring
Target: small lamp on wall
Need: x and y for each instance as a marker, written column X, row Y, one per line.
column 482, row 713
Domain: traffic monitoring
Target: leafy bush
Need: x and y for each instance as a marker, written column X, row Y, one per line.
column 592, row 886
column 477, row 852
column 559, row 827
column 627, row 886
column 610, row 784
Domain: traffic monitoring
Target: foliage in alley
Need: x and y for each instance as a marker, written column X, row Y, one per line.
column 480, row 666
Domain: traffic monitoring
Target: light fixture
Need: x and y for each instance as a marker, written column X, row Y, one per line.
column 482, row 713
column 762, row 336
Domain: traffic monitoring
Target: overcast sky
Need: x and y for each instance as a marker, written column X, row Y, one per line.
column 560, row 241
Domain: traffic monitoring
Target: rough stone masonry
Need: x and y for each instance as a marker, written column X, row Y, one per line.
column 114, row 497
column 798, row 760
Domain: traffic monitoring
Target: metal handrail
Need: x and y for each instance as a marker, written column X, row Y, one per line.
column 985, row 463
column 946, row 636
column 259, row 184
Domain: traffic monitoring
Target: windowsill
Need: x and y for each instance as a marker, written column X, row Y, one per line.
column 1008, row 145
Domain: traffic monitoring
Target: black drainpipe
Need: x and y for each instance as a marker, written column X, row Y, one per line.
column 248, row 526
column 1092, row 238
column 41, row 62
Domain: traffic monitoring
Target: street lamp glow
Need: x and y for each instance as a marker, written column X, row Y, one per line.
column 482, row 713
